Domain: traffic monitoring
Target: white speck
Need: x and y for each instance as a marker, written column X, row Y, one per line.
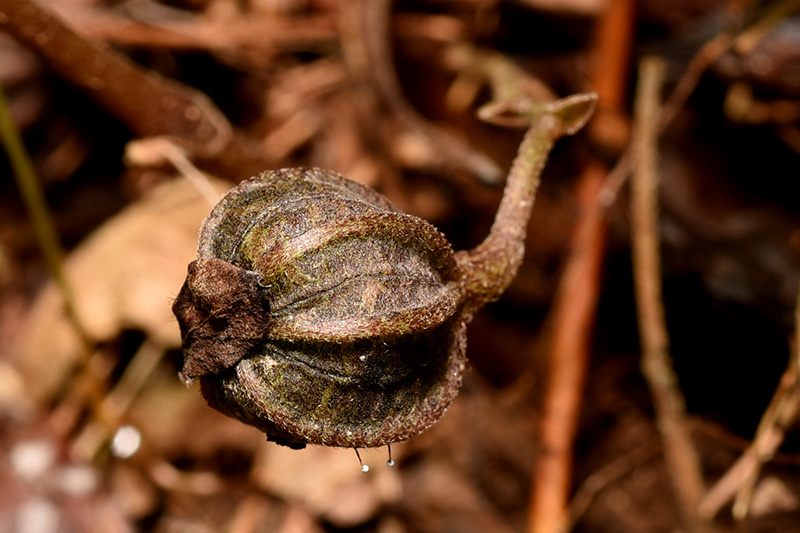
column 77, row 480
column 126, row 441
column 37, row 516
column 365, row 468
column 362, row 357
column 390, row 462
column 32, row 459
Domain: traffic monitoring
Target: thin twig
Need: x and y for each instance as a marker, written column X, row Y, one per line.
column 709, row 53
column 681, row 456
column 749, row 39
column 782, row 412
column 43, row 226
column 699, row 64
column 575, row 308
column 258, row 36
column 573, row 319
column 145, row 151
column 116, row 404
column 608, row 474
column 158, row 106
column 48, row 241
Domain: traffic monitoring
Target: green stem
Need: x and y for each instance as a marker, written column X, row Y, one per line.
column 35, row 203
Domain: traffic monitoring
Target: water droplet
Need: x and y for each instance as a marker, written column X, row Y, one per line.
column 364, row 468
column 390, row 462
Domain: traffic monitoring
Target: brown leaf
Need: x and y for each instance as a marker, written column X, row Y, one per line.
column 124, row 276
column 330, row 482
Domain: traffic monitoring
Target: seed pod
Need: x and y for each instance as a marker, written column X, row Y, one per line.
column 320, row 314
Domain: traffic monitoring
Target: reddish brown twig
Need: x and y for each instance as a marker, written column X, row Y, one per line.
column 573, row 314
column 157, row 107
column 573, row 319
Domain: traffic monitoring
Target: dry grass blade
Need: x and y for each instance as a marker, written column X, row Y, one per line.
column 782, row 412
column 681, row 456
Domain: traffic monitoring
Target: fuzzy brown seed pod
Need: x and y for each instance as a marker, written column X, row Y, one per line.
column 320, row 314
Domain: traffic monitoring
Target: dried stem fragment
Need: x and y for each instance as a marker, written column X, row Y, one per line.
column 157, row 107
column 682, row 458
column 782, row 412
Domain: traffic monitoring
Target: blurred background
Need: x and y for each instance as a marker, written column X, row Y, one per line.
column 138, row 114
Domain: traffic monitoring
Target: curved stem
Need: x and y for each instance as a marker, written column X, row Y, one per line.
column 491, row 266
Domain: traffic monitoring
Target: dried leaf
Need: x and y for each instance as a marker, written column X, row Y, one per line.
column 330, row 482
column 124, row 276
